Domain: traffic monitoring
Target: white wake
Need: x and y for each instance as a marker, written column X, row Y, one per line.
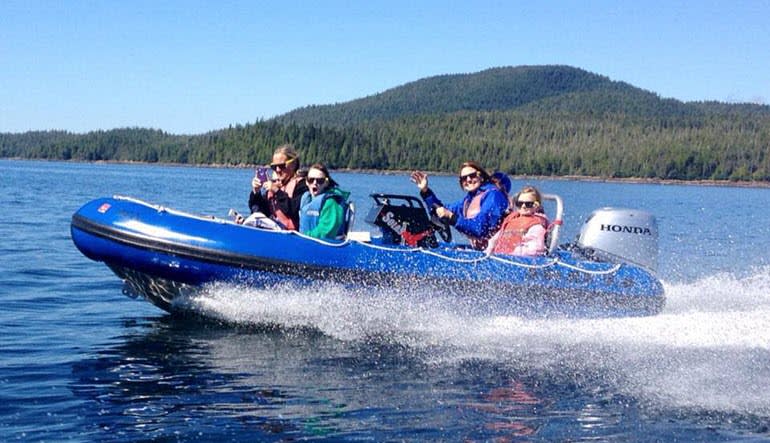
column 708, row 349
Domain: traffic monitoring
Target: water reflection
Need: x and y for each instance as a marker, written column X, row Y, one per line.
column 162, row 382
column 514, row 407
column 185, row 379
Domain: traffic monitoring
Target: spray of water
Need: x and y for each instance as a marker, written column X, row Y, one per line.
column 708, row 349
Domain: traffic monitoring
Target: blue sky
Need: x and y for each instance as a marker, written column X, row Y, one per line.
column 194, row 66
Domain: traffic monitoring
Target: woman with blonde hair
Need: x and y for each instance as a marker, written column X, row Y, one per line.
column 279, row 197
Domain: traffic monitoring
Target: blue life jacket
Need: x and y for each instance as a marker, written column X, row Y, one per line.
column 310, row 210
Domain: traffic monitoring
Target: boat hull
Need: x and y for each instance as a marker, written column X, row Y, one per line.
column 163, row 254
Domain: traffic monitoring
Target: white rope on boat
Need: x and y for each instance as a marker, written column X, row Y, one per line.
column 488, row 256
column 612, row 270
column 557, row 262
column 160, row 208
column 553, row 262
column 456, row 260
column 391, row 249
column 136, row 200
column 318, row 240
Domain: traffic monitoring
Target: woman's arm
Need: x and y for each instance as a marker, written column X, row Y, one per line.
column 258, row 202
column 430, row 199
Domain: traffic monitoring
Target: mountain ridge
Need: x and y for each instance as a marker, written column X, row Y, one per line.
column 531, row 120
column 528, row 88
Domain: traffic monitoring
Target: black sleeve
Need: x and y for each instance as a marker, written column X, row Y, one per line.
column 296, row 200
column 430, row 199
column 258, row 203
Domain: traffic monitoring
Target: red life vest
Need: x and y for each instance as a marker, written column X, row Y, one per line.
column 513, row 229
column 280, row 216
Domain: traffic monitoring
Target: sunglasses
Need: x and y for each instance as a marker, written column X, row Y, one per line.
column 526, row 204
column 277, row 166
column 469, row 177
column 314, row 180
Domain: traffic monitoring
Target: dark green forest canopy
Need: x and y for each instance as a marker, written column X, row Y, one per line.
column 530, row 120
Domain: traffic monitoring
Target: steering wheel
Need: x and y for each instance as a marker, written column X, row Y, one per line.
column 442, row 228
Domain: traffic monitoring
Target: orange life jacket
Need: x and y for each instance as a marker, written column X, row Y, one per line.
column 513, row 229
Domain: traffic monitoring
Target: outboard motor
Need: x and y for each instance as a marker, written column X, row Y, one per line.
column 627, row 235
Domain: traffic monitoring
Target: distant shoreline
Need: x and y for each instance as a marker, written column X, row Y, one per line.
column 581, row 178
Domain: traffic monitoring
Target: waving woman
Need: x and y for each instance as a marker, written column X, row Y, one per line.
column 479, row 213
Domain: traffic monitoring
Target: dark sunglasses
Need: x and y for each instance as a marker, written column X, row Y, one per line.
column 471, row 176
column 526, row 204
column 319, row 180
column 277, row 166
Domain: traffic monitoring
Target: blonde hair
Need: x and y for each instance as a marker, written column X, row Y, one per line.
column 529, row 190
column 289, row 152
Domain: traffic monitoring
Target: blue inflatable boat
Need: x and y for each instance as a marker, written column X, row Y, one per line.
column 163, row 254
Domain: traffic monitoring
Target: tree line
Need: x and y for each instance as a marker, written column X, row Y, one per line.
column 549, row 141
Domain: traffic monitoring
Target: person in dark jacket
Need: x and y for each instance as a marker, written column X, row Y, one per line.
column 479, row 213
column 279, row 198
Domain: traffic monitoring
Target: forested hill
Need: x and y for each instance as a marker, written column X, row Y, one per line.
column 530, row 120
column 541, row 89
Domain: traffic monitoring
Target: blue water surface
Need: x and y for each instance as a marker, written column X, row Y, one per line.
column 80, row 361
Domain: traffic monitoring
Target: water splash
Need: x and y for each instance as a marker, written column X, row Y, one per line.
column 709, row 349
column 339, row 312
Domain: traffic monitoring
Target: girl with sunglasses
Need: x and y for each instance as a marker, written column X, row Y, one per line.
column 279, row 198
column 478, row 214
column 324, row 206
column 523, row 230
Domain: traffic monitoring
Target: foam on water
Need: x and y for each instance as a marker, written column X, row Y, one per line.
column 709, row 349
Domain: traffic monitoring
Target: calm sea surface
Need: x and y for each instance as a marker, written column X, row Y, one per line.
column 80, row 361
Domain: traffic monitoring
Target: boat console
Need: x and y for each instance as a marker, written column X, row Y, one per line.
column 404, row 220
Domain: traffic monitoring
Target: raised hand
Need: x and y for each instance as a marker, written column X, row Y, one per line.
column 420, row 179
column 256, row 183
